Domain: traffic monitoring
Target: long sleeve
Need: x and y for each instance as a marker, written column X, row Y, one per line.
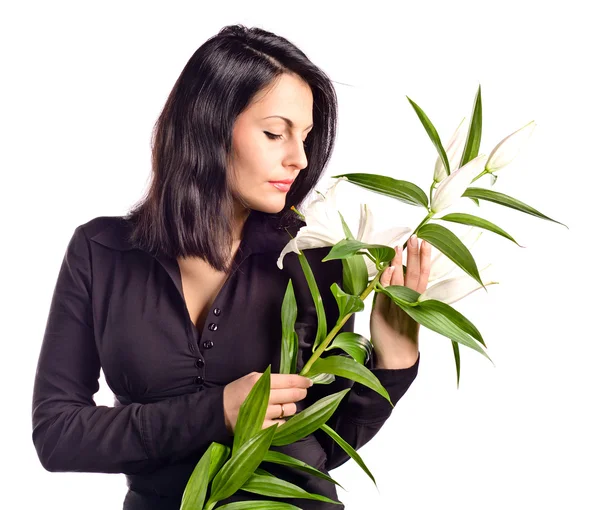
column 72, row 433
column 362, row 412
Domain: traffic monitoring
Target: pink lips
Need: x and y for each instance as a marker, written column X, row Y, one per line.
column 284, row 185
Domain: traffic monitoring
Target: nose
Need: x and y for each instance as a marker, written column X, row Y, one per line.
column 297, row 155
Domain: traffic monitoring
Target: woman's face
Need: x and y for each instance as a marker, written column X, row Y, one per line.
column 265, row 148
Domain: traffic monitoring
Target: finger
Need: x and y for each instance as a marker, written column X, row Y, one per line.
column 269, row 423
column 285, row 395
column 413, row 263
column 386, row 276
column 398, row 274
column 290, row 381
column 425, row 267
column 274, row 411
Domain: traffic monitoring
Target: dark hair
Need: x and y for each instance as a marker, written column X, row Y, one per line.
column 188, row 207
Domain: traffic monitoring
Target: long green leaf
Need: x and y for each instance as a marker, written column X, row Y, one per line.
column 456, row 352
column 450, row 245
column 289, row 337
column 442, row 322
column 259, row 505
column 433, row 134
column 348, row 248
column 344, row 445
column 404, row 191
column 476, row 221
column 277, row 488
column 505, row 200
column 287, row 460
column 317, row 299
column 195, row 490
column 350, row 369
column 359, row 347
column 355, row 275
column 240, row 467
column 347, row 303
column 471, row 149
column 308, row 420
column 253, row 410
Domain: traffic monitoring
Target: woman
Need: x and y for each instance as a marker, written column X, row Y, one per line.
column 179, row 301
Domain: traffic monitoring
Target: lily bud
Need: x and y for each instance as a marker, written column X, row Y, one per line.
column 454, row 289
column 509, row 148
column 455, row 184
column 454, row 151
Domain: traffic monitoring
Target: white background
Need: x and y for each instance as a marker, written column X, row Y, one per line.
column 82, row 85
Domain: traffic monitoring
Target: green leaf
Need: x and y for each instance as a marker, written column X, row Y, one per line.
column 347, row 230
column 350, row 369
column 359, row 347
column 441, row 318
column 399, row 293
column 252, row 411
column 240, row 467
column 195, row 491
column 287, row 460
column 433, row 134
column 469, row 219
column 355, row 275
column 348, row 449
column 347, row 303
column 450, row 245
column 318, row 301
column 308, row 420
column 277, row 488
column 322, row 378
column 471, row 149
column 289, row 337
column 259, row 505
column 404, row 191
column 348, row 248
column 456, row 360
column 505, row 200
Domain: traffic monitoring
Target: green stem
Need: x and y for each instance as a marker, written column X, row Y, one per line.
column 329, row 338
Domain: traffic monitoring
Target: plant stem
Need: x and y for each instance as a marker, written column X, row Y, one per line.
column 331, row 335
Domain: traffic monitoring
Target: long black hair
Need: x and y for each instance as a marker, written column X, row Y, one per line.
column 188, row 208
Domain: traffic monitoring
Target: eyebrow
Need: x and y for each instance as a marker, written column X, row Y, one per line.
column 287, row 121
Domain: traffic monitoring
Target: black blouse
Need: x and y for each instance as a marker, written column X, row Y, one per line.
column 121, row 309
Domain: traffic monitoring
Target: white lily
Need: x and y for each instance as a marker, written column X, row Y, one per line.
column 324, row 228
column 455, row 184
column 454, row 151
column 441, row 265
column 451, row 290
column 509, row 148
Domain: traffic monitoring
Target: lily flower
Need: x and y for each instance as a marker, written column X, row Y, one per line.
column 509, row 148
column 324, row 228
column 454, row 151
column 451, row 290
column 455, row 184
column 441, row 265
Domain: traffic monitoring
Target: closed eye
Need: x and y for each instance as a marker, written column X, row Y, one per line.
column 272, row 136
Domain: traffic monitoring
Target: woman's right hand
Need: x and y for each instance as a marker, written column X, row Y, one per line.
column 286, row 389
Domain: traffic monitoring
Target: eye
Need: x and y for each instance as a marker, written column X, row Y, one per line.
column 272, row 136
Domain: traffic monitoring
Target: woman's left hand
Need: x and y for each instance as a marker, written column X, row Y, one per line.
column 394, row 333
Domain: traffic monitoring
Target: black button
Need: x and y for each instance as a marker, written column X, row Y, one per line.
column 199, row 380
column 208, row 344
column 217, row 311
column 213, row 327
column 199, row 362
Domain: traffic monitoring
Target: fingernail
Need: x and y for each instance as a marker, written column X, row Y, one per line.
column 413, row 240
column 310, row 382
column 391, row 268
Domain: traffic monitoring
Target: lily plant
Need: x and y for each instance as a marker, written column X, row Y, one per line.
column 224, row 469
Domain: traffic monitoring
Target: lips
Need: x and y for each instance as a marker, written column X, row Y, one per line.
column 285, row 181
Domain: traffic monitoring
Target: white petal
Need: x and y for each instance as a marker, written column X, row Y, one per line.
column 509, row 148
column 454, row 151
column 451, row 290
column 365, row 224
column 393, row 236
column 454, row 185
